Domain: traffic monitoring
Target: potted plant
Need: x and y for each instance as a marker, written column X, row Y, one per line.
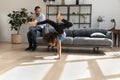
column 17, row 18
column 100, row 19
column 50, row 1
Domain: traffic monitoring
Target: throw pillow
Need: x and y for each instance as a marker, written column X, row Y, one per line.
column 98, row 35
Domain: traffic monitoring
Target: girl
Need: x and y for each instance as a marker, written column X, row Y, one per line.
column 54, row 38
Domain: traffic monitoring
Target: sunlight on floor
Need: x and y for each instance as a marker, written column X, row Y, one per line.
column 84, row 57
column 47, row 59
column 109, row 66
column 75, row 71
column 33, row 72
column 113, row 53
column 114, row 79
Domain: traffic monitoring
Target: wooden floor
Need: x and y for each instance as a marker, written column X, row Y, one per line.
column 75, row 63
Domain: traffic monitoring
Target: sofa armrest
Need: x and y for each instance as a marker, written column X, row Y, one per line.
column 109, row 34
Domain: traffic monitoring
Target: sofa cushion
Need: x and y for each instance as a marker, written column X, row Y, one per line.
column 87, row 41
column 104, row 31
column 87, row 32
column 81, row 33
column 40, row 40
column 69, row 33
column 39, row 34
column 68, row 40
column 51, row 29
column 98, row 35
column 47, row 30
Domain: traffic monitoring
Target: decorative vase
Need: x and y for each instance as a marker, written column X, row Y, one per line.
column 63, row 2
column 77, row 2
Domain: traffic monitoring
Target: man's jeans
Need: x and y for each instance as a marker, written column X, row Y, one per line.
column 32, row 35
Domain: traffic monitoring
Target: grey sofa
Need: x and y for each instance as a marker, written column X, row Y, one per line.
column 83, row 38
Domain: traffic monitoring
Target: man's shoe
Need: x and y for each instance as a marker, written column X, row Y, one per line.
column 29, row 48
column 33, row 49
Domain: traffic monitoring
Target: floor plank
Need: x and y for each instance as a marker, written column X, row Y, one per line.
column 75, row 63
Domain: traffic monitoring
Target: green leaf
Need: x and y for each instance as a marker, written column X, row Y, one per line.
column 14, row 11
column 29, row 19
column 12, row 28
column 24, row 21
column 15, row 28
column 31, row 12
column 9, row 15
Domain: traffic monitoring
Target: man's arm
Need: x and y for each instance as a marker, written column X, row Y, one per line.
column 37, row 20
column 42, row 17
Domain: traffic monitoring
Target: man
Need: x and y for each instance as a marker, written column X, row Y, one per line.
column 32, row 34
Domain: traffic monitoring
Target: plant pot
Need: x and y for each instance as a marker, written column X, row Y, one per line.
column 50, row 2
column 16, row 38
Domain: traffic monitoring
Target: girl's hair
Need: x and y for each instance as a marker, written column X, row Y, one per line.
column 50, row 37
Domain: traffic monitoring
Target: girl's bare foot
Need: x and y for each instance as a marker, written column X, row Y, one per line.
column 58, row 58
column 59, row 17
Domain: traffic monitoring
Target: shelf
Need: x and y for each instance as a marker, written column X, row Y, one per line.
column 71, row 5
column 55, row 14
column 81, row 23
column 81, row 5
column 80, row 14
column 70, row 14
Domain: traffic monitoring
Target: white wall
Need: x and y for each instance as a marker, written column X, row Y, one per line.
column 108, row 8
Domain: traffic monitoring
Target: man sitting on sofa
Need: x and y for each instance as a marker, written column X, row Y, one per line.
column 32, row 34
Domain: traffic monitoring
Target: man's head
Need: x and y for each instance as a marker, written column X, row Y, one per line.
column 51, row 38
column 37, row 10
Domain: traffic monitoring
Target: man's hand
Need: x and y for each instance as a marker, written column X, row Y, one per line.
column 34, row 24
column 33, row 17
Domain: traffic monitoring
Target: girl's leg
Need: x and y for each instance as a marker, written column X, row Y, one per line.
column 52, row 23
column 66, row 23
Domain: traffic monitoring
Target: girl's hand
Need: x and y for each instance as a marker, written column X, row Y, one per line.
column 34, row 24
